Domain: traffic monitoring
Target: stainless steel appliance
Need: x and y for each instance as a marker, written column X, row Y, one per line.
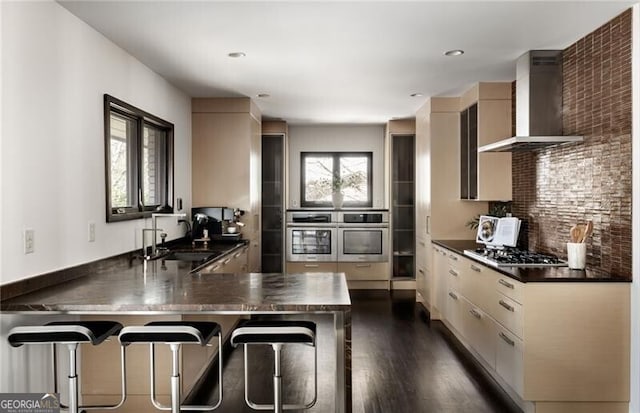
column 363, row 236
column 514, row 257
column 311, row 236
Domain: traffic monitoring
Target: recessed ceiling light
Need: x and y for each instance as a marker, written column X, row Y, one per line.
column 415, row 95
column 455, row 52
column 236, row 55
column 264, row 95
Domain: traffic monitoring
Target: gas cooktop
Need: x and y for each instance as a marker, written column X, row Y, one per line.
column 513, row 257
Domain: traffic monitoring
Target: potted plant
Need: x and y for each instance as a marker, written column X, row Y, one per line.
column 337, row 197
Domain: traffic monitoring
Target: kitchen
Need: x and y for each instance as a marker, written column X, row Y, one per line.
column 57, row 78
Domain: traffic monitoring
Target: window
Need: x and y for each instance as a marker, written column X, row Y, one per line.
column 139, row 161
column 323, row 173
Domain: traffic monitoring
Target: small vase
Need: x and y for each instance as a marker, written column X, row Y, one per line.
column 337, row 198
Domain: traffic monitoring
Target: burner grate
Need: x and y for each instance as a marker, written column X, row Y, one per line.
column 513, row 257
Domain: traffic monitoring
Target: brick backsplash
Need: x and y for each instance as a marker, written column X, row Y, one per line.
column 559, row 186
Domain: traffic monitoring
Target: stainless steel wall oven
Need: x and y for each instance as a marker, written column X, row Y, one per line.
column 363, row 236
column 311, row 236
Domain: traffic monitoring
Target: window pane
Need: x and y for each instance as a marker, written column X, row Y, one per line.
column 318, row 178
column 122, row 171
column 153, row 161
column 354, row 171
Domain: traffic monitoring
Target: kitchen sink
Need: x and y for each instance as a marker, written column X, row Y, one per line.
column 200, row 256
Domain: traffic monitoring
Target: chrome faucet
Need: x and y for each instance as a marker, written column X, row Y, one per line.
column 154, row 230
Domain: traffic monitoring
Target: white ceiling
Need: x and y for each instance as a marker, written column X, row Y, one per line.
column 338, row 62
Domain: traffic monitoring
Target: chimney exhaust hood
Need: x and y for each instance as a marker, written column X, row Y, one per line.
column 538, row 104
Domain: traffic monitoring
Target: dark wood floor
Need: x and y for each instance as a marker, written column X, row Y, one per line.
column 400, row 364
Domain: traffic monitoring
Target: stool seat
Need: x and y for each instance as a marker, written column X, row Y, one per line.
column 199, row 332
column 94, row 332
column 274, row 331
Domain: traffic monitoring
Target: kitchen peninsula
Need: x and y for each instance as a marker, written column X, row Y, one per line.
column 168, row 288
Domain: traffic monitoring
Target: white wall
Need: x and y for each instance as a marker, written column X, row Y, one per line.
column 340, row 138
column 55, row 70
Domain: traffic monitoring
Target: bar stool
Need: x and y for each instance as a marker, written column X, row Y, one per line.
column 175, row 334
column 276, row 333
column 71, row 333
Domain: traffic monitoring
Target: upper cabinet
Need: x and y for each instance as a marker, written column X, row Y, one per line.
column 485, row 117
column 226, row 171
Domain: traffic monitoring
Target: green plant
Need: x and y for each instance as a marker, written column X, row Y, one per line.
column 496, row 209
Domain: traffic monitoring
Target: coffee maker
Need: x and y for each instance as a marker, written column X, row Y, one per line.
column 210, row 219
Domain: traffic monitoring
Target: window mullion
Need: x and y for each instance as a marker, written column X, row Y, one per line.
column 138, row 168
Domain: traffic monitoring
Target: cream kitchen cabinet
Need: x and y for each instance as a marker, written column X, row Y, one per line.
column 439, row 274
column 234, row 262
column 226, row 169
column 552, row 346
column 294, row 267
column 485, row 118
column 440, row 214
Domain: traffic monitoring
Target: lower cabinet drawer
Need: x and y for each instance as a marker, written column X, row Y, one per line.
column 312, row 267
column 480, row 331
column 453, row 310
column 365, row 271
column 510, row 359
column 508, row 312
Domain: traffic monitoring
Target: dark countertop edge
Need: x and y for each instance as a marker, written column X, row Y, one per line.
column 228, row 309
column 28, row 285
column 536, row 273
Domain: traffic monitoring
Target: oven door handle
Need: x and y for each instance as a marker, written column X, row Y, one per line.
column 363, row 227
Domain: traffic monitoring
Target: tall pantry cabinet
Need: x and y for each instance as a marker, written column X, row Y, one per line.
column 440, row 214
column 274, row 135
column 401, row 150
column 226, row 169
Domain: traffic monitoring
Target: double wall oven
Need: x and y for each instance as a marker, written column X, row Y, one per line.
column 346, row 236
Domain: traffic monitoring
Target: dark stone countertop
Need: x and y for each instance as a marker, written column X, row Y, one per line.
column 170, row 287
column 536, row 274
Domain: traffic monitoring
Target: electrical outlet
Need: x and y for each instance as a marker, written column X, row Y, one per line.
column 91, row 236
column 29, row 241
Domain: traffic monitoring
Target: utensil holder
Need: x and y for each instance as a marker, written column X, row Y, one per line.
column 576, row 255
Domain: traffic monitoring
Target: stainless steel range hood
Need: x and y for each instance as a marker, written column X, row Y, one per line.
column 538, row 104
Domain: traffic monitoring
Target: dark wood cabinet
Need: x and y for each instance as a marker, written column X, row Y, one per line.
column 272, row 203
column 403, row 205
column 469, row 153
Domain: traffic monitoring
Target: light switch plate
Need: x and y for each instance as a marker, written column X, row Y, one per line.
column 91, row 235
column 29, row 241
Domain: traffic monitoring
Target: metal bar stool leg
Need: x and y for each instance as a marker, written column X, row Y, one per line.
column 73, row 378
column 277, row 378
column 175, row 378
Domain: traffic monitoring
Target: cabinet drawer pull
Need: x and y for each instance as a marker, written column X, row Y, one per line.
column 225, row 262
column 506, row 339
column 311, row 266
column 506, row 284
column 444, row 254
column 420, row 270
column 422, row 243
column 452, row 272
column 453, row 257
column 452, row 295
column 214, row 268
column 507, row 306
column 363, row 265
column 475, row 314
column 237, row 254
column 475, row 268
